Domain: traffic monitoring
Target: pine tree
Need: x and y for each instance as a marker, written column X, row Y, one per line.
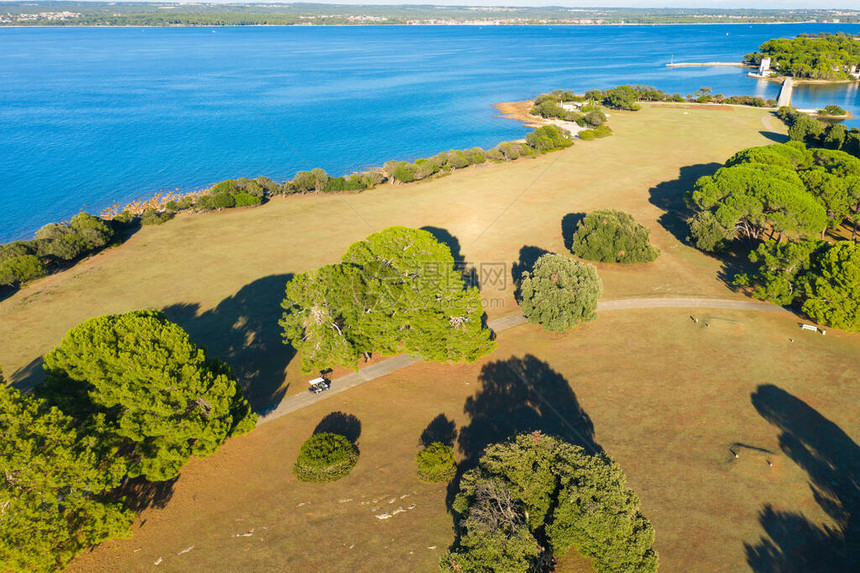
column 54, row 474
column 159, row 394
column 395, row 291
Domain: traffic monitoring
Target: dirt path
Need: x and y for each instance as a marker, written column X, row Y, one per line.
column 297, row 402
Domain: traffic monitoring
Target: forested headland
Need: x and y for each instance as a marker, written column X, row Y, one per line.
column 811, row 56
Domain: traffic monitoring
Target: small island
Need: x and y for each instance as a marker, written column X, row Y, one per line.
column 808, row 57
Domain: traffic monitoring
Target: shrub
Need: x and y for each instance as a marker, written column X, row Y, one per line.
column 587, row 135
column 325, row 457
column 303, row 182
column 153, row 217
column 53, row 231
column 622, row 97
column 65, row 248
column 222, row 201
column 403, row 172
column 547, row 138
column 423, row 168
column 832, row 110
column 611, row 236
column 457, row 159
column 560, row 293
column 172, row 206
column 269, row 186
column 595, row 118
column 93, row 231
column 244, row 199
column 436, row 463
column 227, row 186
column 19, row 268
column 602, row 131
column 494, row 154
column 186, row 202
column 475, row 155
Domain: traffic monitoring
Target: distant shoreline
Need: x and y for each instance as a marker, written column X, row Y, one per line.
column 453, row 24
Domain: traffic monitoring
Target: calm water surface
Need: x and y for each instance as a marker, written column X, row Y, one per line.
column 90, row 117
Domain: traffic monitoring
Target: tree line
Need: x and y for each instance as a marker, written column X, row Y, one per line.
column 58, row 245
column 779, row 201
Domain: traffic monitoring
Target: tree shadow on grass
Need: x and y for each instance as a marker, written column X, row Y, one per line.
column 734, row 261
column 139, row 494
column 440, row 429
column 832, row 460
column 340, row 423
column 669, row 196
column 568, row 227
column 529, row 255
column 467, row 271
column 773, row 136
column 520, row 395
column 243, row 331
column 28, row 377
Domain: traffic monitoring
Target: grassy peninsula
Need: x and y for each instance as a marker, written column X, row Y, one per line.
column 703, row 444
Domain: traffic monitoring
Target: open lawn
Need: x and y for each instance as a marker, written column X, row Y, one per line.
column 666, row 397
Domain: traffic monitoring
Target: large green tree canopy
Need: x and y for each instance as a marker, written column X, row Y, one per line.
column 54, row 474
column 762, row 191
column 559, row 292
column 160, row 396
column 534, row 498
column 833, row 291
column 395, row 291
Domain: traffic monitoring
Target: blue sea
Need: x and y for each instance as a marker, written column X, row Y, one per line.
column 92, row 117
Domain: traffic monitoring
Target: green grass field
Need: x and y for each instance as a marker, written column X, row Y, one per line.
column 666, row 397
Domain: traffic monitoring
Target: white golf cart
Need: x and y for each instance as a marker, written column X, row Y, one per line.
column 318, row 385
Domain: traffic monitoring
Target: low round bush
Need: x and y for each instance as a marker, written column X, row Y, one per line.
column 436, row 463
column 325, row 457
column 612, row 236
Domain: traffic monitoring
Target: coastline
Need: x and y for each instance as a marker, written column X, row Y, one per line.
column 475, row 24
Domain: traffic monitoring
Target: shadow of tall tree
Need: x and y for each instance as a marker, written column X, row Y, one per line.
column 28, row 377
column 568, row 227
column 669, row 197
column 243, row 331
column 139, row 494
column 340, row 423
column 832, row 460
column 529, row 255
column 522, row 395
column 774, row 136
column 467, row 271
column 441, row 429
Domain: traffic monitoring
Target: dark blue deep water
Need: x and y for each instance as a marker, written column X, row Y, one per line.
column 90, row 117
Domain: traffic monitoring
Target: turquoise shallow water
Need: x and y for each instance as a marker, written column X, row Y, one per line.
column 90, row 117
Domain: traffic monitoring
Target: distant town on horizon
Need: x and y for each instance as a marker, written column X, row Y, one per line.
column 288, row 14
